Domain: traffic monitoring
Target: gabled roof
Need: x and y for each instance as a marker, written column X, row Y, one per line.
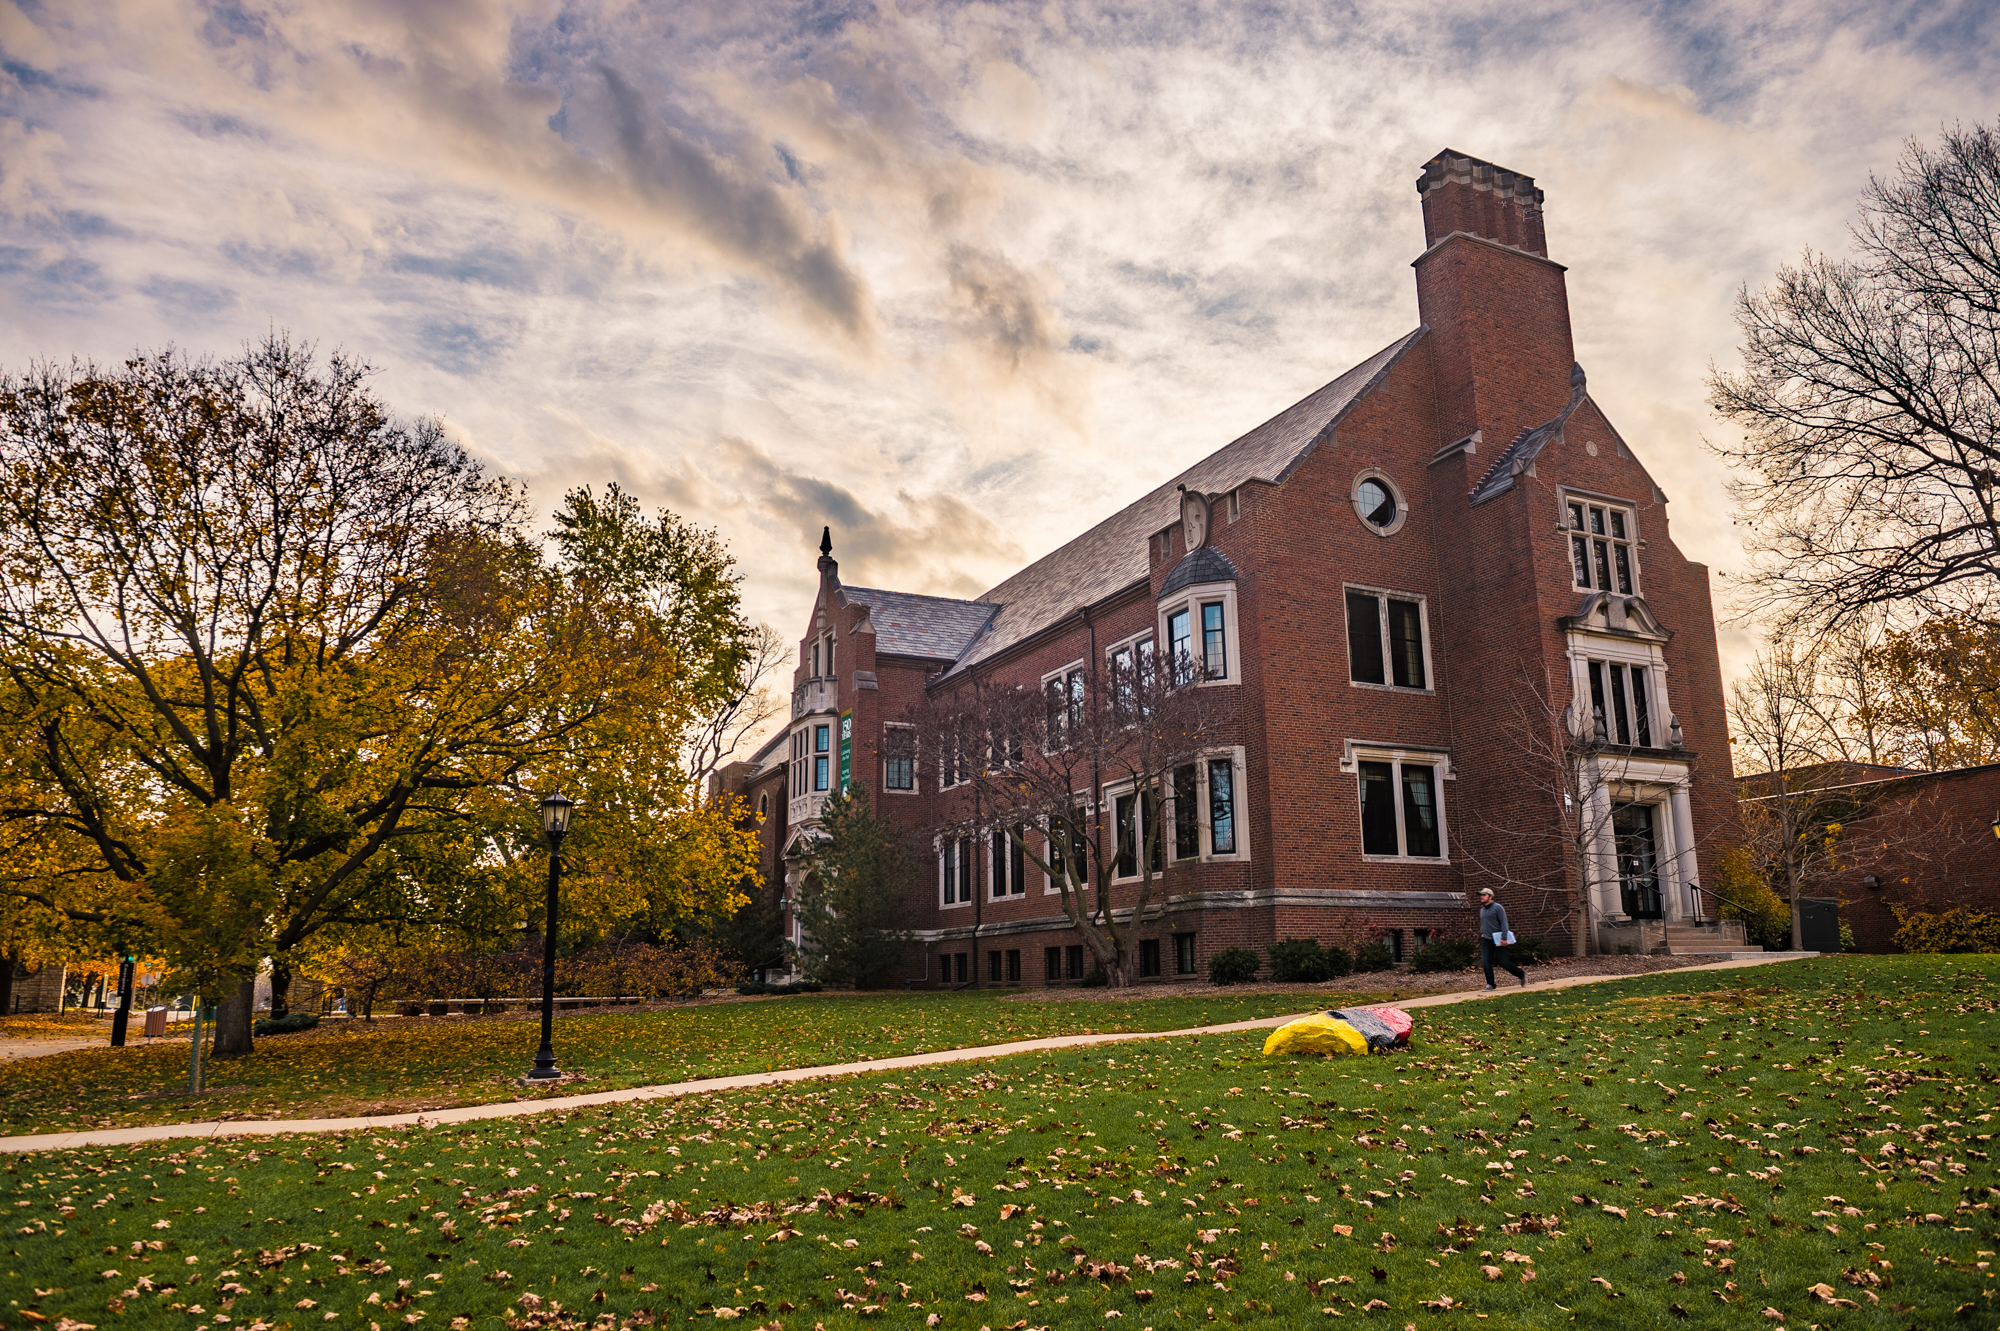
column 906, row 624
column 1113, row 555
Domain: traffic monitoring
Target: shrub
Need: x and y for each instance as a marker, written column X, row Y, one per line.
column 1097, row 979
column 1847, row 943
column 1233, row 965
column 1371, row 957
column 1339, row 962
column 1304, row 961
column 1444, row 954
column 285, row 1025
column 1746, row 896
column 1534, row 951
column 1958, row 930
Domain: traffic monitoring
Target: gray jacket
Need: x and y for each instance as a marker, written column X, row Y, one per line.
column 1492, row 920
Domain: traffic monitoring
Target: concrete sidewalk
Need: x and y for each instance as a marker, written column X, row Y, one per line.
column 57, row 1141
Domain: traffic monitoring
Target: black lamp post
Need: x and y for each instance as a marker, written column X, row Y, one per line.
column 555, row 822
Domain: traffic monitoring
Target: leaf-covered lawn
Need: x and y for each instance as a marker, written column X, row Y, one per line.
column 343, row 1068
column 1801, row 1146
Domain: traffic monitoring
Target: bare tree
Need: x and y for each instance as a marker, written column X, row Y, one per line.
column 1785, row 720
column 744, row 710
column 1083, row 780
column 1869, row 401
column 1562, row 841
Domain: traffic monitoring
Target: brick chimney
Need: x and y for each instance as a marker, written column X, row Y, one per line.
column 1497, row 308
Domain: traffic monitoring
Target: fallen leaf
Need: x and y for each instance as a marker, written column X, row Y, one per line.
column 1491, row 1272
column 1774, row 1314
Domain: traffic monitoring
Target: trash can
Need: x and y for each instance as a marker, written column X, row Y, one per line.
column 1819, row 924
column 156, row 1022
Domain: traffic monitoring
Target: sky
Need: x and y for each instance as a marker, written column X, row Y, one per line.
column 958, row 280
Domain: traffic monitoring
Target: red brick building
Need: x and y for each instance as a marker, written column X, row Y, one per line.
column 1396, row 570
column 1921, row 842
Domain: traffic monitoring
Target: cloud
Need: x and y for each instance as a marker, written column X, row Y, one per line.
column 970, row 277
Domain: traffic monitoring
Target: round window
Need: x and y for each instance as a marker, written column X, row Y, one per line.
column 1378, row 506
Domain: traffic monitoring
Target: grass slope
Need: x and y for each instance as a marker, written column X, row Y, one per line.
column 347, row 1068
column 1709, row 1150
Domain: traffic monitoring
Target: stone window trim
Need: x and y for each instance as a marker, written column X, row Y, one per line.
column 1383, row 595
column 961, row 869
column 893, row 749
column 1082, row 807
column 1355, row 752
column 1388, row 483
column 1192, row 599
column 1634, row 654
column 1108, row 826
column 1170, row 811
column 1583, row 544
column 1066, row 690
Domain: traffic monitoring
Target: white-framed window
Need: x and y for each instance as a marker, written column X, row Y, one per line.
column 1063, row 691
column 1134, row 815
column 1235, row 505
column 1603, row 550
column 1627, row 705
column 1388, row 644
column 899, row 759
column 1379, row 502
column 801, row 764
column 1010, row 863
column 1205, row 809
column 1198, row 626
column 1064, row 837
column 1129, row 665
column 956, row 871
column 952, row 764
column 822, row 757
column 1401, row 802
column 822, row 656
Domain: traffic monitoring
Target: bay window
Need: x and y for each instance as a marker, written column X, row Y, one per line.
column 1621, row 704
column 1199, row 628
column 1204, row 809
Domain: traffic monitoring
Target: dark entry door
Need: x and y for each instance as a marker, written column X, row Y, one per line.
column 1638, row 860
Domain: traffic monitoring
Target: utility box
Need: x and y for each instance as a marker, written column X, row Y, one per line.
column 1819, row 924
column 156, row 1022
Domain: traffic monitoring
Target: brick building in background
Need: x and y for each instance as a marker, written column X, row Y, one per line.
column 1390, row 581
column 1919, row 842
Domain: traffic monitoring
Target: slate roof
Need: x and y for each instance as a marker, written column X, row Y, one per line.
column 910, row 625
column 1207, row 564
column 1113, row 555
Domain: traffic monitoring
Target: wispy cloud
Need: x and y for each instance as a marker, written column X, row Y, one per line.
column 956, row 280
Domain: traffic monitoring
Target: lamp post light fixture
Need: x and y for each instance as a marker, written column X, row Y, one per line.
column 555, row 822
column 1996, row 824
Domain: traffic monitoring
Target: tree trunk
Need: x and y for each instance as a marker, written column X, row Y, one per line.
column 8, row 965
column 232, row 1020
column 281, row 988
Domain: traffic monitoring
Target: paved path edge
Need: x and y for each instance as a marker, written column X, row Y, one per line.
column 59, row 1141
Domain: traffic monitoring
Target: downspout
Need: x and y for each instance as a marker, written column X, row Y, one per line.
column 1096, row 773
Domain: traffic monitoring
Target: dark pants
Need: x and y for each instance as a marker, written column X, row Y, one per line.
column 1489, row 954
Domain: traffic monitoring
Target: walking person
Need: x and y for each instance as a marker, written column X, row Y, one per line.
column 1494, row 936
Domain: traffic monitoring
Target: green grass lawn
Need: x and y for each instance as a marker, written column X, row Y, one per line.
column 397, row 1065
column 1681, row 1149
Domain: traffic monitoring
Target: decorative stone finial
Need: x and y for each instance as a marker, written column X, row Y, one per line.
column 826, row 540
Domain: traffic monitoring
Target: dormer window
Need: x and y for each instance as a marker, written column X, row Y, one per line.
column 1600, row 546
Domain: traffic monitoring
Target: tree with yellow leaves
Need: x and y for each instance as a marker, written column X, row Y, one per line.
column 292, row 665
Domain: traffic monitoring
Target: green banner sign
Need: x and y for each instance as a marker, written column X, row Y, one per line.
column 846, row 750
